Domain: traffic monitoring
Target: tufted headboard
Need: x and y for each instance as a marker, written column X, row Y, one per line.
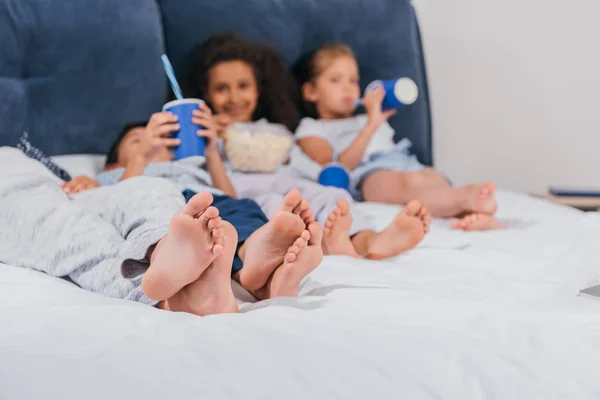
column 73, row 72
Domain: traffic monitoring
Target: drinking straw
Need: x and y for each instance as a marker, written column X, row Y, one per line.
column 171, row 75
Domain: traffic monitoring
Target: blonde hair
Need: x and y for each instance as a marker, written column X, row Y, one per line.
column 308, row 69
column 324, row 56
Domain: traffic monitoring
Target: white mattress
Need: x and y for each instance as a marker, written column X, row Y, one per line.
column 464, row 316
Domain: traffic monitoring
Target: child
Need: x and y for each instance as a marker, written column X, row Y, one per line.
column 248, row 85
column 381, row 171
column 271, row 257
column 136, row 240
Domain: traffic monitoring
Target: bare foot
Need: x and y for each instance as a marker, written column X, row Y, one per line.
column 302, row 209
column 480, row 198
column 194, row 240
column 405, row 232
column 211, row 293
column 477, row 222
column 300, row 260
column 292, row 202
column 336, row 238
column 265, row 249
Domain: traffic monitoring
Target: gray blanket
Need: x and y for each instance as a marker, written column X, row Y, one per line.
column 86, row 238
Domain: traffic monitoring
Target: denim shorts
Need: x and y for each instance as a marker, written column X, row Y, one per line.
column 399, row 159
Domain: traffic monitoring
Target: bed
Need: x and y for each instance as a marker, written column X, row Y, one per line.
column 463, row 316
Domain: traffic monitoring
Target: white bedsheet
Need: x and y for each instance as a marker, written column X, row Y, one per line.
column 464, row 316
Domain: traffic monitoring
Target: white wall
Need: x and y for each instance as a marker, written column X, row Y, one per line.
column 515, row 88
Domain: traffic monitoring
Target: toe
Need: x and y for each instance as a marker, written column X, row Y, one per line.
column 457, row 224
column 427, row 224
column 423, row 212
column 307, row 216
column 295, row 249
column 316, row 234
column 306, row 234
column 413, row 207
column 217, row 233
column 343, row 206
column 208, row 214
column 290, row 257
column 218, row 242
column 214, row 223
column 300, row 207
column 299, row 242
column 217, row 249
column 291, row 200
column 198, row 204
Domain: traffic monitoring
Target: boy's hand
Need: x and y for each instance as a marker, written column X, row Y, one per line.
column 79, row 184
column 372, row 102
column 158, row 134
column 204, row 117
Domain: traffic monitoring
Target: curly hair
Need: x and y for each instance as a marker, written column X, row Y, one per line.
column 277, row 88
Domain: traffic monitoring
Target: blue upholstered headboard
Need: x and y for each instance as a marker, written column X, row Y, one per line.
column 73, row 72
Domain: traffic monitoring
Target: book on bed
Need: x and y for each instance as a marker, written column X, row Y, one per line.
column 575, row 191
column 591, row 292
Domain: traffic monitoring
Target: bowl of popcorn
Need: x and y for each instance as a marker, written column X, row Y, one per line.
column 250, row 151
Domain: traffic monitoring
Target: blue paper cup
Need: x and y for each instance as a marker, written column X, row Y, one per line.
column 399, row 93
column 335, row 175
column 191, row 149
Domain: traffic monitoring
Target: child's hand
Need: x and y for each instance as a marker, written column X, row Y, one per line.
column 372, row 102
column 79, row 184
column 204, row 117
column 222, row 121
column 157, row 134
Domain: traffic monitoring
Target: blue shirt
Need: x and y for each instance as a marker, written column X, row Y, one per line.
column 186, row 177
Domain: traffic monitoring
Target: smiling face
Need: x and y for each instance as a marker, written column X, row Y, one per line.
column 233, row 90
column 336, row 88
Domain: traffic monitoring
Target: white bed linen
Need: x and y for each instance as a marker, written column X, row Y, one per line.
column 464, row 316
column 81, row 164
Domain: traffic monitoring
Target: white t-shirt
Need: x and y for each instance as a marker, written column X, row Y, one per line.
column 342, row 132
column 185, row 176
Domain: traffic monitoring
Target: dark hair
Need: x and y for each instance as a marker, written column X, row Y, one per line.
column 112, row 157
column 309, row 67
column 277, row 88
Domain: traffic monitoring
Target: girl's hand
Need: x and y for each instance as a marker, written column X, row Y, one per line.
column 204, row 117
column 223, row 121
column 79, row 184
column 372, row 102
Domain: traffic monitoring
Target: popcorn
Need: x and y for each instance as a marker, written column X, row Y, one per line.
column 257, row 151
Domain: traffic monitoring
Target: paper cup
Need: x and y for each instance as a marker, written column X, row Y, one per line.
column 335, row 175
column 191, row 149
column 398, row 92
